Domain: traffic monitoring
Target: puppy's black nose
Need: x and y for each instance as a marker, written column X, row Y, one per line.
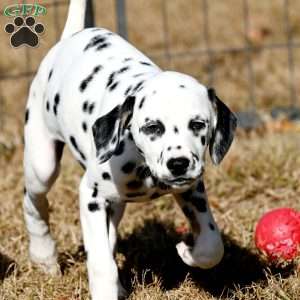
column 178, row 166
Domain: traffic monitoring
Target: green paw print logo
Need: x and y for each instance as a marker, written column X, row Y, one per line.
column 24, row 30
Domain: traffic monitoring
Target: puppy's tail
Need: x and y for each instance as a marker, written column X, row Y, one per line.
column 75, row 19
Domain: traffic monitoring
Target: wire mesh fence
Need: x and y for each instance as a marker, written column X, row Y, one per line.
column 162, row 14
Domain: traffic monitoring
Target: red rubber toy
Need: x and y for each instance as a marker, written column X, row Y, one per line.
column 277, row 234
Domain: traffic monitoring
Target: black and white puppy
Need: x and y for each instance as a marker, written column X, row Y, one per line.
column 139, row 132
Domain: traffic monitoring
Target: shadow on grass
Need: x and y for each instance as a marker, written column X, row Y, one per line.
column 67, row 260
column 152, row 248
column 7, row 266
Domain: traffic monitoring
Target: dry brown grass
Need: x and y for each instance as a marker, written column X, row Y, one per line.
column 260, row 173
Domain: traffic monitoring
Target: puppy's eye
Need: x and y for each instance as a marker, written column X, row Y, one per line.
column 196, row 125
column 154, row 129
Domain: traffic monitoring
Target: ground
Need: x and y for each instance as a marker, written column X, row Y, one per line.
column 261, row 171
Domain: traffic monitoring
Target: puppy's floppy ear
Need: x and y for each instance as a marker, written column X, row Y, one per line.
column 223, row 131
column 108, row 129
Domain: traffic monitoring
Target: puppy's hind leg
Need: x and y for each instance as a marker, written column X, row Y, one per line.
column 41, row 167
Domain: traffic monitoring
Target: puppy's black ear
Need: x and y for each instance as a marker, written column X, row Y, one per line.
column 223, row 131
column 108, row 129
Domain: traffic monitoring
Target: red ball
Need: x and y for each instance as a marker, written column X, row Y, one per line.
column 277, row 234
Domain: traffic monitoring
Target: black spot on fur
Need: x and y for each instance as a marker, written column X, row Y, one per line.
column 120, row 149
column 85, row 106
column 175, row 129
column 91, row 108
column 161, row 157
column 140, row 151
column 50, row 74
column 211, row 226
column 142, row 102
column 124, row 69
column 203, row 140
column 97, row 69
column 84, row 83
column 178, row 147
column 56, row 103
column 169, row 148
column 47, row 105
column 198, row 202
column 87, row 80
column 56, row 99
column 111, row 79
column 134, row 184
column 106, row 176
column 128, row 91
column 74, row 144
column 130, row 136
column 113, row 86
column 138, row 87
column 138, row 75
column 24, row 190
column 84, row 127
column 93, row 206
column 95, row 42
column 105, row 156
column 145, row 63
column 95, row 192
column 26, row 116
column 127, row 59
column 195, row 156
column 188, row 213
column 182, row 86
column 128, row 167
column 103, row 46
column 143, row 172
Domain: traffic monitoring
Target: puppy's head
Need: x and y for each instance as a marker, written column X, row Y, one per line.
column 173, row 120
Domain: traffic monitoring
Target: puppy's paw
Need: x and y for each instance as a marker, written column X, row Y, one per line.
column 47, row 265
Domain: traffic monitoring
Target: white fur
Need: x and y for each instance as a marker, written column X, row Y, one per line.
column 75, row 19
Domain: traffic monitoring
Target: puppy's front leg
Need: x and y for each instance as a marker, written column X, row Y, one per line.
column 102, row 269
column 208, row 248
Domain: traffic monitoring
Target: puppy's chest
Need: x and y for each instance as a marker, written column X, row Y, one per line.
column 129, row 177
column 136, row 183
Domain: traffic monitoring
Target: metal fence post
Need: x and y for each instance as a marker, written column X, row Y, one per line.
column 89, row 20
column 121, row 18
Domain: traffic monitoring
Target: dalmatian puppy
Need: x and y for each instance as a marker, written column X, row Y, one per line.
column 138, row 131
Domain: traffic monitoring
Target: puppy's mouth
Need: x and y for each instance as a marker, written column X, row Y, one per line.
column 179, row 181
